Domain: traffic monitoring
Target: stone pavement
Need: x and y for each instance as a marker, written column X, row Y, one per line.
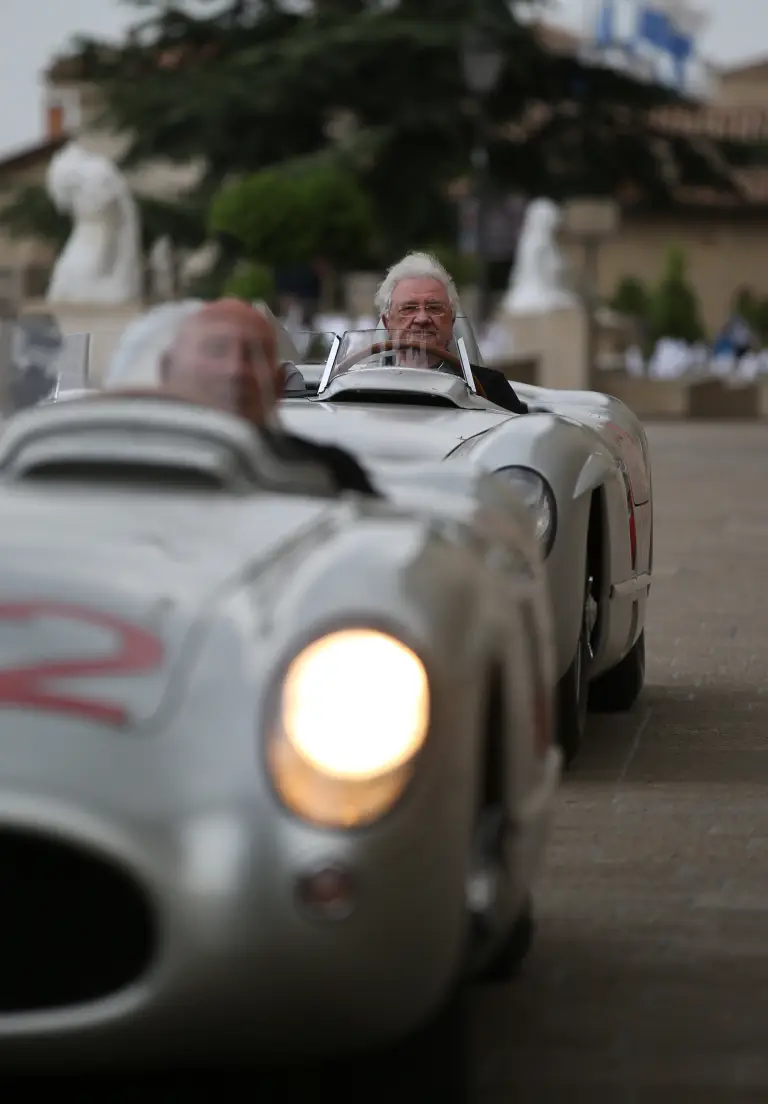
column 649, row 980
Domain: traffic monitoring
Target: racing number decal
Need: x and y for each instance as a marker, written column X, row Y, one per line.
column 28, row 686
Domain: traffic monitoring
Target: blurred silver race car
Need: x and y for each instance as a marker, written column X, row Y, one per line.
column 579, row 459
column 278, row 767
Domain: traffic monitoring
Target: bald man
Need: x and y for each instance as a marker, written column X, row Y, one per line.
column 225, row 354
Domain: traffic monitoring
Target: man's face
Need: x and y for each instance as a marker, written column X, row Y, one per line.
column 223, row 360
column 420, row 310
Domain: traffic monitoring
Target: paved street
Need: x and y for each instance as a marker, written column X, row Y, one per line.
column 649, row 981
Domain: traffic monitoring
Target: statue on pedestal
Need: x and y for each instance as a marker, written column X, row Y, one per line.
column 101, row 262
column 538, row 280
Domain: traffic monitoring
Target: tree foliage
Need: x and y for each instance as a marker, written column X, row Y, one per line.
column 29, row 213
column 753, row 308
column 250, row 281
column 631, row 298
column 673, row 310
column 282, row 216
column 252, row 84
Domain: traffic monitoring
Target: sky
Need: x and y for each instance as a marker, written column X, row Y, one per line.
column 33, row 31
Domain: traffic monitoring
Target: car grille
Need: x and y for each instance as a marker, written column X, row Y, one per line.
column 74, row 927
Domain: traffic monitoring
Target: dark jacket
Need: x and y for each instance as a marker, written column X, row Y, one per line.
column 343, row 468
column 497, row 389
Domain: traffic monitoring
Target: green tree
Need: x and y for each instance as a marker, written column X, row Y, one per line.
column 252, row 86
column 251, row 281
column 281, row 216
column 753, row 308
column 29, row 213
column 674, row 305
column 631, row 298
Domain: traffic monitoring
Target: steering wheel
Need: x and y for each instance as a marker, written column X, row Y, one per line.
column 419, row 347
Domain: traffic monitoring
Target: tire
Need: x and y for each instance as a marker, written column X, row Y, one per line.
column 617, row 690
column 509, row 958
column 573, row 688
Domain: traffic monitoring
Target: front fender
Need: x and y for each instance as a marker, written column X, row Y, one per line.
column 577, row 465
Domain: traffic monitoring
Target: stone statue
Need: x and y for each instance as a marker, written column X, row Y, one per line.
column 537, row 282
column 101, row 262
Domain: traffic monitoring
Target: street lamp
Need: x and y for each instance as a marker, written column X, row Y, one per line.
column 482, row 62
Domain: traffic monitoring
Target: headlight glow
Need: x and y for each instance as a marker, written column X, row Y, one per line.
column 538, row 497
column 354, row 712
column 355, row 704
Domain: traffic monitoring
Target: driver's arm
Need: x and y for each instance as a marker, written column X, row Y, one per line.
column 346, row 471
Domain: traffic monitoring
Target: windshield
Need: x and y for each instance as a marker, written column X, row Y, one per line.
column 222, row 355
column 314, row 347
column 38, row 362
column 365, row 349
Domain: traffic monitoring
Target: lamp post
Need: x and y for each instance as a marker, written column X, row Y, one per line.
column 482, row 61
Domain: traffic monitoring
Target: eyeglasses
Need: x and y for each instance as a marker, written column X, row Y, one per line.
column 408, row 310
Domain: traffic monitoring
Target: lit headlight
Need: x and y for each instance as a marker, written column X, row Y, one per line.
column 538, row 497
column 354, row 712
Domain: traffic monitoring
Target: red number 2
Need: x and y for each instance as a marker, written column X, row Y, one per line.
column 28, row 686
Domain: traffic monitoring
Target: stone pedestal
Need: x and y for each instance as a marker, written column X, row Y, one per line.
column 104, row 325
column 557, row 340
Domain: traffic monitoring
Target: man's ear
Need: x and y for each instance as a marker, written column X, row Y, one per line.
column 385, row 321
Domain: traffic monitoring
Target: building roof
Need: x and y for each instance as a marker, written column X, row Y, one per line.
column 737, row 124
column 755, row 66
column 557, row 39
column 32, row 155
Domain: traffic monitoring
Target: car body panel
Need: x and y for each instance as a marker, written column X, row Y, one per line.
column 584, row 444
column 234, row 581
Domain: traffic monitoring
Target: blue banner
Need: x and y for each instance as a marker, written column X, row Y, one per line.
column 643, row 30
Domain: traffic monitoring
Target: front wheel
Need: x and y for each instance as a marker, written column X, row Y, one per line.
column 617, row 690
column 509, row 958
column 573, row 688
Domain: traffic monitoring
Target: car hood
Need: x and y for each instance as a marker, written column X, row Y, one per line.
column 79, row 572
column 390, row 432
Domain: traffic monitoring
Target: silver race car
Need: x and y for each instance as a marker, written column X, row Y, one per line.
column 277, row 762
column 579, row 459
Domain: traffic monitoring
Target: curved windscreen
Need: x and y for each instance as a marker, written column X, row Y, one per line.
column 180, row 345
column 223, row 354
column 314, row 346
column 365, row 349
column 38, row 362
column 223, row 357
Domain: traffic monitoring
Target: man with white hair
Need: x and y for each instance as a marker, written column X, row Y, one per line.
column 418, row 299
